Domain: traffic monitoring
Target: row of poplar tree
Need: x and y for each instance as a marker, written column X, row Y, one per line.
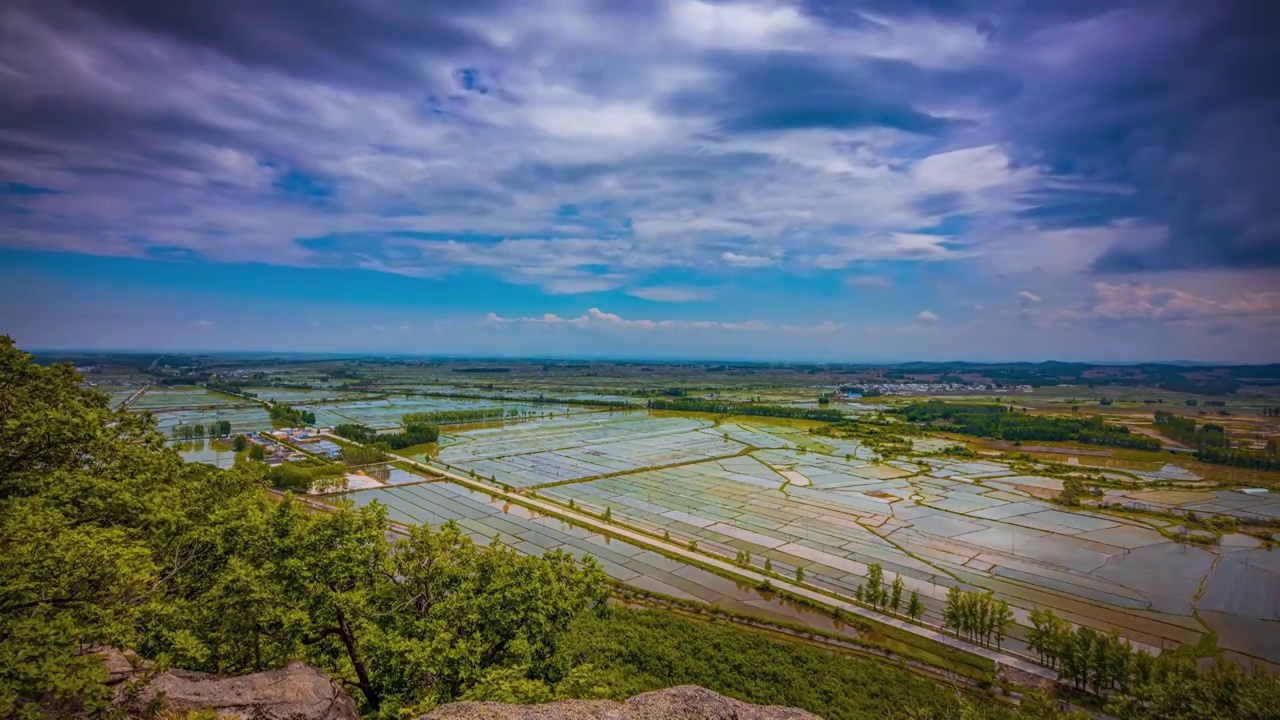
column 977, row 616
column 1086, row 658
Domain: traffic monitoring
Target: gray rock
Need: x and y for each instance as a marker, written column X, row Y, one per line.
column 295, row 692
column 687, row 702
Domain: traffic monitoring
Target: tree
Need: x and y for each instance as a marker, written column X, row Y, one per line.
column 239, row 443
column 953, row 613
column 875, row 585
column 608, row 514
column 1001, row 620
column 768, row 565
column 799, row 574
column 915, row 608
column 256, row 452
column 895, row 600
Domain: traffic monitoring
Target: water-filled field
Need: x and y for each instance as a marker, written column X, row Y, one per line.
column 387, row 413
column 243, row 419
column 168, row 398
column 936, row 522
column 484, row 518
column 206, row 451
column 833, row 506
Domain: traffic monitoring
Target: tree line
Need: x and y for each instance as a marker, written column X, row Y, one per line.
column 1185, row 430
column 361, row 455
column 216, row 429
column 887, row 598
column 284, row 415
column 977, row 616
column 1213, row 445
column 300, row 475
column 725, row 407
column 446, row 417
column 540, row 398
column 413, row 434
column 1139, row 685
column 1003, row 423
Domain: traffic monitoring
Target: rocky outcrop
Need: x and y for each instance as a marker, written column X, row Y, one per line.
column 687, row 702
column 295, row 692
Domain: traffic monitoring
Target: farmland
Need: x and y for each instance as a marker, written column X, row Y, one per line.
column 800, row 497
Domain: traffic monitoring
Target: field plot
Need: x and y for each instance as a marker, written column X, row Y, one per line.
column 243, row 419
column 299, row 396
column 165, row 398
column 598, row 444
column 482, row 517
column 206, row 451
column 936, row 522
column 387, row 413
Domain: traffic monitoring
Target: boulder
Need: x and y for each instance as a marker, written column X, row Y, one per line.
column 687, row 702
column 295, row 692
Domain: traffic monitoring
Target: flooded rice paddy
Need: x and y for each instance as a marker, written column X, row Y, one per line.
column 833, row 507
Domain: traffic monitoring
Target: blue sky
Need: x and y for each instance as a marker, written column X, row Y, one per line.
column 848, row 181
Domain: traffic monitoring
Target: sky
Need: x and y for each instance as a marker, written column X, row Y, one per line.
column 847, row 181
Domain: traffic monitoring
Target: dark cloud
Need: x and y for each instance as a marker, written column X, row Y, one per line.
column 1159, row 113
column 1173, row 101
column 358, row 40
column 787, row 91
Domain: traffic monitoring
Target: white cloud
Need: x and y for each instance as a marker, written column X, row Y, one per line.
column 747, row 261
column 202, row 323
column 1026, row 297
column 669, row 293
column 596, row 318
column 926, row 316
column 918, row 247
column 738, row 26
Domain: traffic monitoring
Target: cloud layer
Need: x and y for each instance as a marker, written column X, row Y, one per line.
column 983, row 153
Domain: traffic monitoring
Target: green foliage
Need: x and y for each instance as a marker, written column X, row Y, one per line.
column 239, row 443
column 257, row 452
column 1239, row 457
column 1073, row 490
column 413, row 434
column 1001, row 422
column 977, row 616
column 1170, row 686
column 649, row 649
column 283, row 415
column 915, row 608
column 301, row 475
column 355, row 431
column 446, row 417
column 509, row 685
column 724, row 407
column 361, row 455
column 110, row 539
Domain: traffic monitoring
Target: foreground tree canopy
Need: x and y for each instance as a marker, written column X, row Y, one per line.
column 111, row 539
